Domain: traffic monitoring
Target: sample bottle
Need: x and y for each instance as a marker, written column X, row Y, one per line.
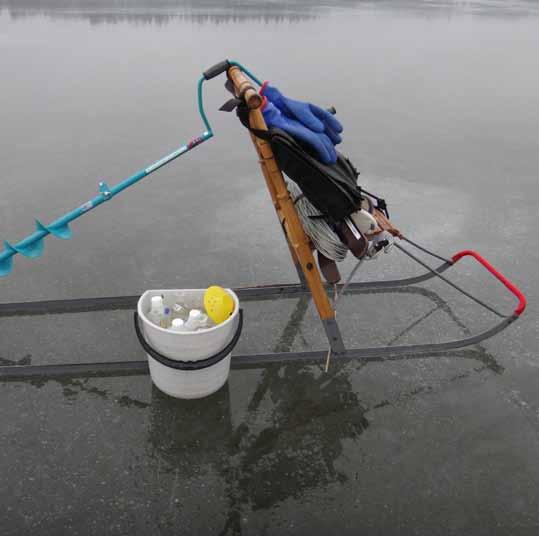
column 179, row 311
column 178, row 325
column 197, row 320
column 166, row 320
column 157, row 310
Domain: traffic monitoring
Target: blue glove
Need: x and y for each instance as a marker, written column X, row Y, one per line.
column 317, row 140
column 310, row 115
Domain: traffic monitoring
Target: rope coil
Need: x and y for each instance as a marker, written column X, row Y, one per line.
column 323, row 237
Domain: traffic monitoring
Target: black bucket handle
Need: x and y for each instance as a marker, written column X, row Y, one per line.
column 188, row 365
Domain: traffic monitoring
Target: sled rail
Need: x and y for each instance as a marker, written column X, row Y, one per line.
column 121, row 368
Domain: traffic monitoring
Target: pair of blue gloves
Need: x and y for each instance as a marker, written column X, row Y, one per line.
column 304, row 121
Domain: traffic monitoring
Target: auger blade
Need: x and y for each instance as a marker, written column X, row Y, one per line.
column 59, row 231
column 33, row 250
column 41, row 227
column 6, row 266
column 9, row 248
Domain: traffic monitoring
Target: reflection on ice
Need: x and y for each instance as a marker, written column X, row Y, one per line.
column 160, row 12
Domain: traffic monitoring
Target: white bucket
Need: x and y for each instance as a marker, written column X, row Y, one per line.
column 185, row 349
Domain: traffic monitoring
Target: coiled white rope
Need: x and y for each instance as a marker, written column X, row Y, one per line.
column 317, row 229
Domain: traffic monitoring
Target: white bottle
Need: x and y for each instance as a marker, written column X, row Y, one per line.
column 157, row 310
column 178, row 325
column 197, row 319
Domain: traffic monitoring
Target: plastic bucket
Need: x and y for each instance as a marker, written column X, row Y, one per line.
column 187, row 364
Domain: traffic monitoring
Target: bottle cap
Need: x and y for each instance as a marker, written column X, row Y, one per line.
column 177, row 323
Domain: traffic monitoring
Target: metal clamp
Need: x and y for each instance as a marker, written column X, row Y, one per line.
column 105, row 190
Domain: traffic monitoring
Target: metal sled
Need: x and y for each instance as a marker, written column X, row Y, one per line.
column 301, row 253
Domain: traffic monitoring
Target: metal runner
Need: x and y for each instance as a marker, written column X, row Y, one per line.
column 22, row 372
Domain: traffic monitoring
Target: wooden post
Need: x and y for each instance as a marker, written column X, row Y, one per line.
column 297, row 239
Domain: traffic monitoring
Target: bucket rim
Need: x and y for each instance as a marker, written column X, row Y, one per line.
column 203, row 331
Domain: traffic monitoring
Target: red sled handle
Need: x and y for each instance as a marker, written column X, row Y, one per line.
column 498, row 275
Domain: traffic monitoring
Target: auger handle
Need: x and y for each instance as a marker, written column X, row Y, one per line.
column 497, row 274
column 216, row 70
column 244, row 88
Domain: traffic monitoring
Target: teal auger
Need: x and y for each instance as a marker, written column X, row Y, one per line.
column 33, row 245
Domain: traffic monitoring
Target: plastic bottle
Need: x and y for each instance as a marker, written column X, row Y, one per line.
column 157, row 310
column 178, row 325
column 197, row 320
column 205, row 322
column 166, row 320
column 179, row 311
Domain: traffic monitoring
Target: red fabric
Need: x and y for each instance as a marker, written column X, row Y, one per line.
column 263, row 87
